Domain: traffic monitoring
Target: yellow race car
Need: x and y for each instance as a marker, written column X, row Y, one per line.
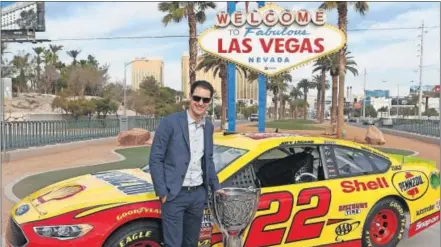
column 314, row 192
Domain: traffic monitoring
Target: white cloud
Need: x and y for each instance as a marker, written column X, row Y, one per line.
column 98, row 19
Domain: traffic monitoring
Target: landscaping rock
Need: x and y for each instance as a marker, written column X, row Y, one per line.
column 133, row 137
column 374, row 136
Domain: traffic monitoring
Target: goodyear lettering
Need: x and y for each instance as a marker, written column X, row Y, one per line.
column 425, row 210
column 138, row 211
column 126, row 183
column 355, row 185
column 410, row 183
column 398, row 207
column 142, row 234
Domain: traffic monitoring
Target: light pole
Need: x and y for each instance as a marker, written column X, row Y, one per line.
column 123, row 124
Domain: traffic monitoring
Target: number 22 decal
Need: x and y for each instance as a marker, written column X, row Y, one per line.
column 299, row 229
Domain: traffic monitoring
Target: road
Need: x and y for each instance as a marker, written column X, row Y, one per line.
column 427, row 129
column 428, row 238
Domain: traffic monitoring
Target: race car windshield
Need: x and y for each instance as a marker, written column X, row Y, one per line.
column 223, row 156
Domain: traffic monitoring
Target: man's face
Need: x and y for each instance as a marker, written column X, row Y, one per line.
column 199, row 100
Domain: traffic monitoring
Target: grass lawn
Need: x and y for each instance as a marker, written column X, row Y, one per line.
column 135, row 158
column 291, row 124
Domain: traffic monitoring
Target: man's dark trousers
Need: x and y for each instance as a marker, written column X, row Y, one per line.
column 185, row 210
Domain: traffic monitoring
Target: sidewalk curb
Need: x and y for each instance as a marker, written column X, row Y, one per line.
column 9, row 194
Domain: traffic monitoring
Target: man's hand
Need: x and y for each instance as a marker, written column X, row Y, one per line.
column 163, row 199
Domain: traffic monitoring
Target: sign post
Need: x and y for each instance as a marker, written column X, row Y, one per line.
column 269, row 40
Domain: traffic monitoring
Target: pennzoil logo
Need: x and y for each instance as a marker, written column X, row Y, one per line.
column 60, row 193
column 411, row 185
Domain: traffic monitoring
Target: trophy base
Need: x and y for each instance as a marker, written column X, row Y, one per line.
column 232, row 241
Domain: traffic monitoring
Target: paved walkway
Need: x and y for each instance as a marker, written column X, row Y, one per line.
column 101, row 153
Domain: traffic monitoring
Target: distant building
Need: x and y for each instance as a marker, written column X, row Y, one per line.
column 143, row 67
column 11, row 13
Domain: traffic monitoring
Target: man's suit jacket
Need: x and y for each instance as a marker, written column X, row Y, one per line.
column 170, row 156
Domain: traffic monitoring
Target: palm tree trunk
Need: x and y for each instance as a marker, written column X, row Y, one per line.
column 322, row 96
column 334, row 99
column 317, row 110
column 223, row 76
column 306, row 104
column 275, row 108
column 342, row 23
column 192, row 42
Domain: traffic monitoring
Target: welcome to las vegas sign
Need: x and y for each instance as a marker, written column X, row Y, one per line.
column 271, row 39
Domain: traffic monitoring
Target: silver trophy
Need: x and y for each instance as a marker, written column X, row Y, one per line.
column 233, row 211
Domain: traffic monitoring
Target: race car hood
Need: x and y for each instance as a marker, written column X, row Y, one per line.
column 98, row 191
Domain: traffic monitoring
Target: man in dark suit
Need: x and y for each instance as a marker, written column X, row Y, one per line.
column 182, row 168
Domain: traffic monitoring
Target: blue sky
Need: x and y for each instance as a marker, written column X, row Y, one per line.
column 389, row 56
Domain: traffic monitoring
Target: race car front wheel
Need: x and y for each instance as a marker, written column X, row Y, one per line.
column 136, row 234
column 385, row 224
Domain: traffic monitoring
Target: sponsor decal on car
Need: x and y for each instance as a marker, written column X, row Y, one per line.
column 437, row 204
column 59, row 193
column 124, row 182
column 138, row 211
column 424, row 223
column 434, row 180
column 411, row 185
column 206, row 229
column 425, row 210
column 396, row 168
column 356, row 185
column 352, row 209
column 344, row 229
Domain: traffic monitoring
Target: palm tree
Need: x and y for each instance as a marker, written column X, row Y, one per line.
column 21, row 65
column 295, row 93
column 317, row 81
column 277, row 85
column 38, row 51
column 342, row 9
column 73, row 54
column 54, row 49
column 195, row 13
column 322, row 65
column 305, row 85
column 219, row 68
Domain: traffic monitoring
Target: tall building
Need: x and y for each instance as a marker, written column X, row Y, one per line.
column 245, row 91
column 143, row 67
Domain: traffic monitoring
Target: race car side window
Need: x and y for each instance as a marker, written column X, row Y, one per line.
column 345, row 161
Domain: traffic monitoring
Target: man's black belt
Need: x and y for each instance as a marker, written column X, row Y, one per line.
column 190, row 188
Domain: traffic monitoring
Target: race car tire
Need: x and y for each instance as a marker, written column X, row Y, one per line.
column 136, row 234
column 385, row 224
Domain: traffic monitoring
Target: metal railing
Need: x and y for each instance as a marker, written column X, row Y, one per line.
column 25, row 134
column 418, row 126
